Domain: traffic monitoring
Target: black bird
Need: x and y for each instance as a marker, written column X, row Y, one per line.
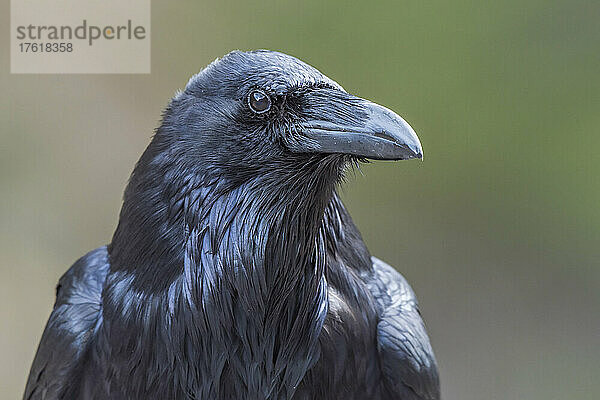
column 235, row 271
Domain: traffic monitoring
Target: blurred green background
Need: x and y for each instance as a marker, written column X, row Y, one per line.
column 498, row 230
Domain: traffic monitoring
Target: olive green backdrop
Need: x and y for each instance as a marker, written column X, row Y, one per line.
column 498, row 229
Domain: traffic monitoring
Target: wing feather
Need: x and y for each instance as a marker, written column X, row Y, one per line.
column 71, row 327
column 406, row 356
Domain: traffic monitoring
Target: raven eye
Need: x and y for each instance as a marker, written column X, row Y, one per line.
column 259, row 101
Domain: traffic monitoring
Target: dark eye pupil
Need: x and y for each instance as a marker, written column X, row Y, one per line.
column 259, row 101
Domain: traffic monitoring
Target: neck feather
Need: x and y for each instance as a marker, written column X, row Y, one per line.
column 248, row 261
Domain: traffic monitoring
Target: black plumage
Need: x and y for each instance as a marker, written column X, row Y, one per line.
column 235, row 270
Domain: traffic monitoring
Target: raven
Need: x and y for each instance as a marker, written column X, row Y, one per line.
column 235, row 271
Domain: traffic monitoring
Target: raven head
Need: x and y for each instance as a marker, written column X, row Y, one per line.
column 253, row 110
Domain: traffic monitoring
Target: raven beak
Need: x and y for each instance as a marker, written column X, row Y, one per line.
column 378, row 134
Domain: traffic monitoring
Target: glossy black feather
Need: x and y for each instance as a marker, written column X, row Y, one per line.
column 63, row 355
column 407, row 360
column 235, row 270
